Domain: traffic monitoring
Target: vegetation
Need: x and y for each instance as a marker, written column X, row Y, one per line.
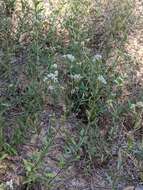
column 66, row 93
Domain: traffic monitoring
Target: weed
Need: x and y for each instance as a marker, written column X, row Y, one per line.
column 89, row 40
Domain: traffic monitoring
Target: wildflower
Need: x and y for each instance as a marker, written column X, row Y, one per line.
column 53, row 76
column 139, row 104
column 62, row 87
column 56, row 73
column 45, row 79
column 72, row 91
column 83, row 43
column 51, row 87
column 70, row 57
column 11, row 85
column 102, row 79
column 76, row 77
column 132, row 107
column 79, row 63
column 54, row 66
column 97, row 57
column 10, row 184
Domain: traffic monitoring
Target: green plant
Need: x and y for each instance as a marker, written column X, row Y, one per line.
column 95, row 85
column 80, row 70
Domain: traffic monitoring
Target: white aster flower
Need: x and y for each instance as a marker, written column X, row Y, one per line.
column 51, row 87
column 11, row 85
column 70, row 57
column 139, row 104
column 56, row 73
column 73, row 91
column 102, row 79
column 10, row 184
column 79, row 63
column 55, row 66
column 96, row 57
column 132, row 107
column 45, row 79
column 62, row 87
column 76, row 77
column 51, row 76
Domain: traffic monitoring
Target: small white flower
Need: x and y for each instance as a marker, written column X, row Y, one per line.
column 52, row 76
column 55, row 66
column 96, row 57
column 73, row 91
column 79, row 63
column 70, row 57
column 62, row 87
column 51, row 87
column 76, row 77
column 56, row 73
column 132, row 106
column 11, row 85
column 139, row 104
column 10, row 184
column 83, row 43
column 45, row 79
column 102, row 79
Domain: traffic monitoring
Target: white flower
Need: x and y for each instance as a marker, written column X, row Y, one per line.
column 132, row 106
column 83, row 43
column 96, row 57
column 52, row 76
column 102, row 79
column 11, row 85
column 55, row 66
column 79, row 63
column 76, row 77
column 62, row 87
column 139, row 104
column 51, row 87
column 56, row 73
column 72, row 91
column 45, row 79
column 70, row 57
column 10, row 184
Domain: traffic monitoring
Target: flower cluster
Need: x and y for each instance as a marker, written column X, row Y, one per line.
column 70, row 57
column 76, row 77
column 102, row 79
column 9, row 184
column 52, row 76
column 97, row 57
